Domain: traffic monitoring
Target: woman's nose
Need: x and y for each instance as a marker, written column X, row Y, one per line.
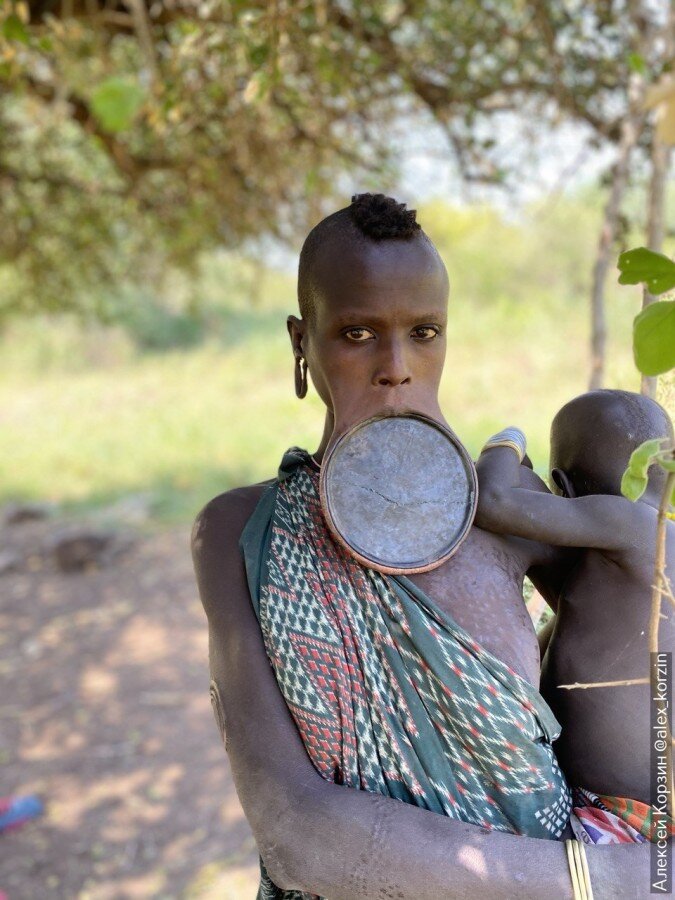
column 392, row 369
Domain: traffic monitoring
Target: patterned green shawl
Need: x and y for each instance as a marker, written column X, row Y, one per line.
column 389, row 694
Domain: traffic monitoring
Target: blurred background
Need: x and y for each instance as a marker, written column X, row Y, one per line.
column 160, row 165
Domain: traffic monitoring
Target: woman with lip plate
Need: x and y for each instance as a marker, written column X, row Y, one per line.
column 386, row 734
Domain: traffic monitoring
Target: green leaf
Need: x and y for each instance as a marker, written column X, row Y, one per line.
column 14, row 29
column 643, row 456
column 634, row 479
column 653, row 269
column 654, row 338
column 636, row 63
column 115, row 102
column 667, row 463
column 632, row 486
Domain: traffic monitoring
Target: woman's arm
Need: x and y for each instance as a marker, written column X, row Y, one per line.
column 332, row 840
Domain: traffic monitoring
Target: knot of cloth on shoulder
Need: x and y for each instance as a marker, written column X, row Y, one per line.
column 389, row 694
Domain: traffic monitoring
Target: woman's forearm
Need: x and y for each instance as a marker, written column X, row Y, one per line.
column 353, row 845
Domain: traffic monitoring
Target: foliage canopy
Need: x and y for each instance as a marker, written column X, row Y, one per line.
column 133, row 136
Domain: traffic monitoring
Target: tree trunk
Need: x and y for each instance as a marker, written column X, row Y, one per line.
column 660, row 159
column 656, row 203
column 630, row 131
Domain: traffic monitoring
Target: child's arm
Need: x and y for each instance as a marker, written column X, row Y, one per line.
column 601, row 521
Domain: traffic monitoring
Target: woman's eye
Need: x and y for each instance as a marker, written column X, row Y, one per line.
column 425, row 332
column 358, row 335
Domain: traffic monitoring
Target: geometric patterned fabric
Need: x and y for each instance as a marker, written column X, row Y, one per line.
column 389, row 694
column 601, row 819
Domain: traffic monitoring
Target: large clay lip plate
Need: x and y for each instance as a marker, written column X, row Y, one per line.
column 399, row 492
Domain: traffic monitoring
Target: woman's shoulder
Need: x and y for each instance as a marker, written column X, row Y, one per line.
column 215, row 549
column 219, row 525
column 223, row 518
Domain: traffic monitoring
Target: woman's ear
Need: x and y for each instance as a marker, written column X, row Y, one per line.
column 296, row 331
column 563, row 483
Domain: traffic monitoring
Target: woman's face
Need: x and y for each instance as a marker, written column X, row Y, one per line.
column 376, row 342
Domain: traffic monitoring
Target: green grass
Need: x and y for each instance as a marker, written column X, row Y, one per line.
column 188, row 424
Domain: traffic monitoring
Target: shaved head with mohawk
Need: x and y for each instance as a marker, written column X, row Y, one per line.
column 370, row 218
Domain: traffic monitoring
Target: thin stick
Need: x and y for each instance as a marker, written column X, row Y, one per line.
column 666, row 589
column 661, row 585
column 669, row 597
column 660, row 588
column 593, row 684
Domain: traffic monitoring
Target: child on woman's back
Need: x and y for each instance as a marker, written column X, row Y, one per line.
column 601, row 626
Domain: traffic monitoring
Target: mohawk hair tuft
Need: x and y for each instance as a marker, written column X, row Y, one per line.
column 382, row 218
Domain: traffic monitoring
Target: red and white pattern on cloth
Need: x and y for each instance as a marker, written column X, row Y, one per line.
column 391, row 698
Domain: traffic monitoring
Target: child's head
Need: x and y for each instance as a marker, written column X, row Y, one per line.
column 593, row 436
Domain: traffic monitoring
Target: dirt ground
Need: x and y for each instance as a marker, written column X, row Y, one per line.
column 105, row 714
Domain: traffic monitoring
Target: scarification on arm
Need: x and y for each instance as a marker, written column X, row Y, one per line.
column 218, row 710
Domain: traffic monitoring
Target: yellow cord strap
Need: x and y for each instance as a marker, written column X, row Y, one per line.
column 579, row 871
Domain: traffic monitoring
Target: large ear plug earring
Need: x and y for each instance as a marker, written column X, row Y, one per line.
column 300, row 376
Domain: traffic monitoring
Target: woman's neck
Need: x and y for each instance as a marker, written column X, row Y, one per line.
column 329, row 424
